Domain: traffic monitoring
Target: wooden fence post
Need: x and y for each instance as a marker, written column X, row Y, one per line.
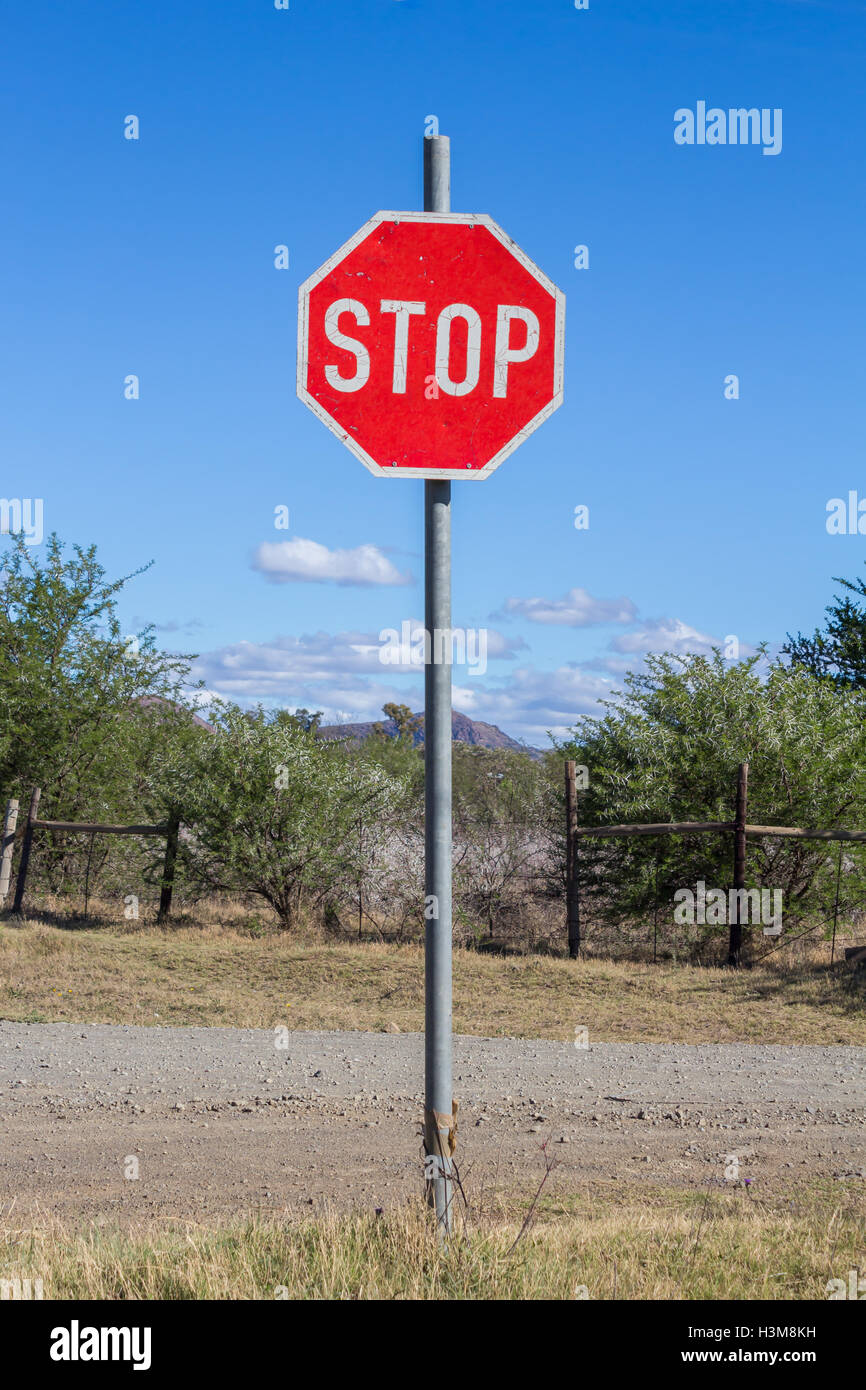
column 7, row 848
column 25, row 850
column 168, row 870
column 572, row 889
column 735, row 926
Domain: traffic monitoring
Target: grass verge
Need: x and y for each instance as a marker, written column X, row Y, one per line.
column 221, row 976
column 656, row 1245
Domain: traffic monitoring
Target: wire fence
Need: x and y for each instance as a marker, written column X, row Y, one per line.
column 515, row 889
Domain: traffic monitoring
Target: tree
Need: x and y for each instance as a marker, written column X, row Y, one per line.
column 407, row 726
column 154, row 745
column 839, row 652
column 668, row 750
column 69, row 677
column 501, row 816
column 274, row 810
column 307, row 719
column 401, row 753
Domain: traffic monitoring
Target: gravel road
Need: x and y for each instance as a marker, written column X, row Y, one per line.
column 222, row 1122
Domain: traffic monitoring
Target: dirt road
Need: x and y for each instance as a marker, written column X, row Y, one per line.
column 220, row 1122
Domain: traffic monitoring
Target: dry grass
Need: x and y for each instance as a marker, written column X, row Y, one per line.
column 241, row 974
column 658, row 1245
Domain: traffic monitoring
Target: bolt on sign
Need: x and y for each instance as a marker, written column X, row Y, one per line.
column 431, row 345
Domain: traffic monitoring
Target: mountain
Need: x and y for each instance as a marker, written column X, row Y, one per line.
column 463, row 730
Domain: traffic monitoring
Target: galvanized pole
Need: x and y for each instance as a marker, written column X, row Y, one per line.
column 438, row 1093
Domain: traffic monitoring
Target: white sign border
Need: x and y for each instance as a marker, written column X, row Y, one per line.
column 380, row 470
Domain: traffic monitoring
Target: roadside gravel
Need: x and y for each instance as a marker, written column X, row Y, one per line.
column 224, row 1121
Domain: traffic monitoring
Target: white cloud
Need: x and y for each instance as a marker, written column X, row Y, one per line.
column 341, row 674
column 577, row 608
column 283, row 678
column 532, row 702
column 258, row 669
column 304, row 561
column 494, row 645
column 665, row 635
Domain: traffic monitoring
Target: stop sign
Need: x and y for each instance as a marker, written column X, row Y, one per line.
column 431, row 345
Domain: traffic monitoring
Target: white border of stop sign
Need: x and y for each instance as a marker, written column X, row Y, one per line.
column 403, row 314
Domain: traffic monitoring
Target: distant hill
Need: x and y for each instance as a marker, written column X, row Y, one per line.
column 463, row 730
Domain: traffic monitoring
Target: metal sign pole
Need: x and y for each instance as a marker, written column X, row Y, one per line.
column 428, row 264
column 438, row 1093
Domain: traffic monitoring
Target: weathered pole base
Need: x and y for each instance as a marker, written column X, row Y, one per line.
column 440, row 1141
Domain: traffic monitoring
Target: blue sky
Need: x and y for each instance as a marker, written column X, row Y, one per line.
column 261, row 127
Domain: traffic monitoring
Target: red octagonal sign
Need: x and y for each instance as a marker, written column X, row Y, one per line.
column 431, row 345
